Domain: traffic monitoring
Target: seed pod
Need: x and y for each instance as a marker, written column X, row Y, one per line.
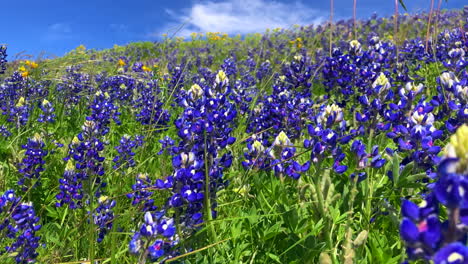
column 349, row 253
column 325, row 258
column 361, row 238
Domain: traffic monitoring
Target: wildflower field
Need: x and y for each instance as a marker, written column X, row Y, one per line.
column 314, row 144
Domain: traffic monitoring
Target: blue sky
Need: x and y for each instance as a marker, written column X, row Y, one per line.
column 55, row 27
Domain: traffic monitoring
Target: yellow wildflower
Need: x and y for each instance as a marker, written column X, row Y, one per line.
column 25, row 74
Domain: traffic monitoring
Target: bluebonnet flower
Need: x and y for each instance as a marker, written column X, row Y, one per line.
column 229, row 67
column 256, row 155
column 282, row 152
column 126, row 151
column 71, row 187
column 104, row 216
column 354, row 47
column 85, row 150
column 416, row 135
column 74, row 85
column 11, row 90
column 283, row 110
column 141, row 192
column 103, row 111
column 157, row 233
column 421, row 228
column 149, row 106
column 242, row 94
column 298, row 72
column 452, row 99
column 121, row 88
column 19, row 225
column 365, row 160
column 410, row 91
column 425, row 235
column 452, row 253
column 84, row 181
column 3, row 60
column 279, row 157
column 48, row 114
column 456, row 58
column 167, row 144
column 264, row 71
column 137, row 67
column 4, row 131
column 177, row 76
column 19, row 113
column 331, row 115
column 204, row 128
column 32, row 164
column 326, row 142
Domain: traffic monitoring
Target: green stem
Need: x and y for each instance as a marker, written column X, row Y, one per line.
column 142, row 258
column 318, row 190
column 369, row 184
column 91, row 222
column 207, row 200
column 113, row 244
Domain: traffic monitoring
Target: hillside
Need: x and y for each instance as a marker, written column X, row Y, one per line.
column 302, row 145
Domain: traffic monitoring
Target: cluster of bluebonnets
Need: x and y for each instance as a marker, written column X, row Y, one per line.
column 367, row 105
column 3, row 60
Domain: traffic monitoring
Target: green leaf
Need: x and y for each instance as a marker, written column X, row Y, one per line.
column 52, row 212
column 415, row 177
column 407, row 169
column 273, row 231
column 274, row 257
column 396, row 169
column 405, row 173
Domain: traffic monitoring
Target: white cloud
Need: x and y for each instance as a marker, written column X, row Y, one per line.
column 239, row 17
column 58, row 31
